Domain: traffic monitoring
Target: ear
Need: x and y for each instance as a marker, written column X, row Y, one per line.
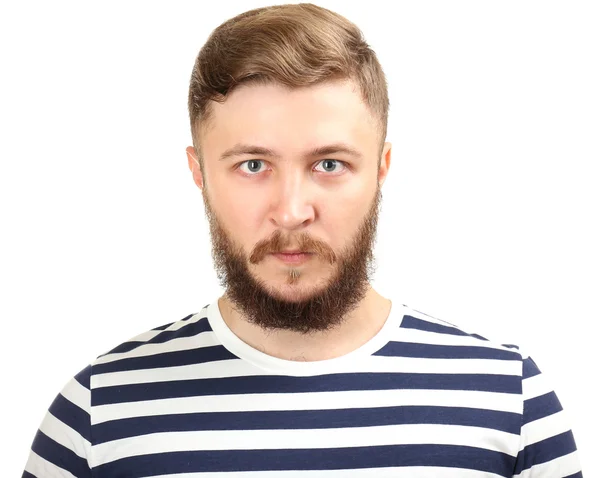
column 386, row 157
column 194, row 166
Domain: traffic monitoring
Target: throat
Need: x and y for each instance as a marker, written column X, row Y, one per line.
column 357, row 328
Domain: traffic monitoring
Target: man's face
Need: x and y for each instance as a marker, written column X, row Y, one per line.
column 267, row 189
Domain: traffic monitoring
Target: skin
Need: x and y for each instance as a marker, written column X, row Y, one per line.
column 327, row 204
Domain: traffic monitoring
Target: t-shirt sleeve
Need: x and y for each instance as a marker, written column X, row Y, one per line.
column 547, row 447
column 61, row 447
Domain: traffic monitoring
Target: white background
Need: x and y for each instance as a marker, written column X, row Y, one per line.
column 490, row 212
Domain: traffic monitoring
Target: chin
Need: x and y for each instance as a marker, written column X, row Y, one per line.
column 298, row 292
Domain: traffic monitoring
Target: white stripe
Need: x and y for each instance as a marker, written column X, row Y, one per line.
column 563, row 466
column 388, row 472
column 535, row 386
column 309, row 401
column 182, row 323
column 433, row 320
column 41, row 468
column 65, row 435
column 544, row 428
column 143, row 337
column 479, row 437
column 426, row 318
column 439, row 365
column 435, row 338
column 374, row 364
column 218, row 369
column 204, row 339
column 77, row 394
column 150, row 334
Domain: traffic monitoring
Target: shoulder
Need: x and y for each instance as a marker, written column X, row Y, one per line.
column 163, row 346
column 452, row 341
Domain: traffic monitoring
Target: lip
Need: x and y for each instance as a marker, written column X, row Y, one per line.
column 293, row 258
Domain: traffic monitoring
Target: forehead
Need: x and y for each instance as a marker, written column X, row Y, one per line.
column 291, row 119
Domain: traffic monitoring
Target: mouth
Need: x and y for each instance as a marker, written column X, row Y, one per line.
column 293, row 257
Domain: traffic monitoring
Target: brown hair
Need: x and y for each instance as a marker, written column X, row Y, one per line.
column 295, row 45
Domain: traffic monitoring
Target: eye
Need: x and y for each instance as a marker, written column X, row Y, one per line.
column 254, row 166
column 332, row 163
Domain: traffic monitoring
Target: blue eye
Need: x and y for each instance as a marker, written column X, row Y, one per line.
column 254, row 165
column 330, row 162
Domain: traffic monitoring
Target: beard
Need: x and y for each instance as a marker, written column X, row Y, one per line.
column 309, row 309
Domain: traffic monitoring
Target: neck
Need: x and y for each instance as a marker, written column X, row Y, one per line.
column 359, row 327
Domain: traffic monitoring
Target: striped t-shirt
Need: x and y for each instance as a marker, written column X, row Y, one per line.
column 422, row 398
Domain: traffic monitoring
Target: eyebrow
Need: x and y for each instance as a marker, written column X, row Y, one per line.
column 246, row 149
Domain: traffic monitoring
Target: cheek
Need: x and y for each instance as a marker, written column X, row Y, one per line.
column 346, row 221
column 240, row 216
column 343, row 217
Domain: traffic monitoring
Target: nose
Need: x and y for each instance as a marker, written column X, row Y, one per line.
column 293, row 206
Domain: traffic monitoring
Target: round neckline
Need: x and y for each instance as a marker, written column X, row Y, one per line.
column 281, row 366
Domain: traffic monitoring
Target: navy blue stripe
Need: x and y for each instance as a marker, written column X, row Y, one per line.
column 480, row 337
column 511, row 346
column 530, row 368
column 576, row 475
column 417, row 350
column 540, row 407
column 410, row 322
column 189, row 330
column 319, row 383
column 71, row 415
column 26, row 474
column 545, row 450
column 60, row 456
column 125, row 347
column 167, row 359
column 310, row 459
column 163, row 327
column 83, row 377
column 202, row 325
column 307, row 419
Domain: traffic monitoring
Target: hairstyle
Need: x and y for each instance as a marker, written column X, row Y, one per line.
column 295, row 45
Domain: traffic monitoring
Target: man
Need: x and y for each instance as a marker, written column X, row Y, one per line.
column 301, row 368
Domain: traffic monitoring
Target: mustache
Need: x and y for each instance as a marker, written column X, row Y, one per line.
column 277, row 243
